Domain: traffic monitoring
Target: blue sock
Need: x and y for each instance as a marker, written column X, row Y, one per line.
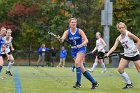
column 78, row 74
column 89, row 77
column 0, row 68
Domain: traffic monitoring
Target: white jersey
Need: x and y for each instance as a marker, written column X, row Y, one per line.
column 100, row 45
column 7, row 44
column 128, row 45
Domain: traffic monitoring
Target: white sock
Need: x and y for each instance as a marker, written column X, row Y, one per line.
column 9, row 66
column 126, row 78
column 103, row 67
column 94, row 66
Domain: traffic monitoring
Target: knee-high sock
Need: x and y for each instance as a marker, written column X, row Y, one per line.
column 0, row 68
column 9, row 66
column 89, row 77
column 78, row 74
column 94, row 66
column 126, row 77
column 103, row 67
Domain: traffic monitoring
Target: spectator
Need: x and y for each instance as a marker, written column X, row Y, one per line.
column 53, row 56
column 42, row 52
column 63, row 54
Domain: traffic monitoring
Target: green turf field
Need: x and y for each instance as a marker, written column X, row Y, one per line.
column 61, row 80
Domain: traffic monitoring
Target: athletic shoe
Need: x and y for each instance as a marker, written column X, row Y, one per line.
column 9, row 73
column 94, row 85
column 77, row 85
column 72, row 69
column 90, row 70
column 127, row 86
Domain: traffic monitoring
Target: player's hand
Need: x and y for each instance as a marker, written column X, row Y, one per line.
column 107, row 55
column 79, row 46
column 59, row 38
column 134, row 50
column 12, row 49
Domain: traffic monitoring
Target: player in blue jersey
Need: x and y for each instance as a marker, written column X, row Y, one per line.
column 78, row 42
column 2, row 33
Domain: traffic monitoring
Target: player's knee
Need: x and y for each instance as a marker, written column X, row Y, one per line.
column 11, row 59
column 120, row 70
column 77, row 64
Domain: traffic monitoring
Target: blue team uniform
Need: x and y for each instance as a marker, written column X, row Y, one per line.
column 75, row 39
column 63, row 53
column 42, row 51
column 1, row 43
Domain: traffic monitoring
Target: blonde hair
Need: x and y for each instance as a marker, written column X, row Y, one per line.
column 9, row 30
column 98, row 33
column 72, row 19
column 117, row 26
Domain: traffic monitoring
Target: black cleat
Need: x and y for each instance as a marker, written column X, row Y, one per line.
column 9, row 73
column 127, row 86
column 77, row 85
column 94, row 85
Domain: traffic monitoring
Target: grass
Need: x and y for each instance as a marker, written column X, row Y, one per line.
column 61, row 80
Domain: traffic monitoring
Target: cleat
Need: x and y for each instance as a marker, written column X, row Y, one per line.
column 90, row 70
column 127, row 86
column 94, row 85
column 9, row 73
column 72, row 69
column 77, row 85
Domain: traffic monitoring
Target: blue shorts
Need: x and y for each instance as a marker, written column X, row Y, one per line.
column 74, row 51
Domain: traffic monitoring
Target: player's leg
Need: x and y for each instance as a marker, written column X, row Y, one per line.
column 63, row 65
column 43, row 59
column 10, row 64
column 137, row 65
column 123, row 63
column 39, row 59
column 53, row 61
column 60, row 63
column 1, row 64
column 79, row 62
column 102, row 64
column 94, row 65
column 78, row 74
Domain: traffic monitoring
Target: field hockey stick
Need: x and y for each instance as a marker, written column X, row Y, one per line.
column 57, row 36
column 111, row 55
column 89, row 53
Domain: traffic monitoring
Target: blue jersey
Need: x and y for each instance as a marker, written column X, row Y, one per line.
column 42, row 51
column 63, row 53
column 1, row 43
column 75, row 39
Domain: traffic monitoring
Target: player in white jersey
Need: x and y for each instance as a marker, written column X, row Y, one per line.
column 9, row 48
column 131, row 52
column 100, row 44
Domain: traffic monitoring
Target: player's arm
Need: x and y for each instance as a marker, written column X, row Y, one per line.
column 94, row 49
column 11, row 45
column 84, row 37
column 114, row 47
column 64, row 36
column 104, row 44
column 135, row 38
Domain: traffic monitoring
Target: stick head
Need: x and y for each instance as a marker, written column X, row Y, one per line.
column 52, row 34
